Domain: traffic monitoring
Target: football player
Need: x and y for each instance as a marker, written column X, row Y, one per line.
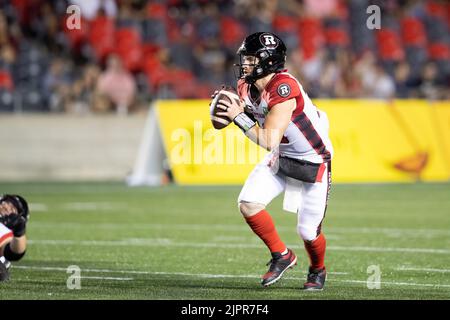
column 277, row 114
column 14, row 214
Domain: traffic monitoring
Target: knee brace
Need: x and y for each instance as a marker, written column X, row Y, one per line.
column 12, row 256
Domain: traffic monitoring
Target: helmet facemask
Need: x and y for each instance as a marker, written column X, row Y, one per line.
column 256, row 72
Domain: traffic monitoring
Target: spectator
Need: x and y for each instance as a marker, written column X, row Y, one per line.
column 117, row 85
column 403, row 83
column 57, row 84
column 82, row 93
column 429, row 87
column 383, row 86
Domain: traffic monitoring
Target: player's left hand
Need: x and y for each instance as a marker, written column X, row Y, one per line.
column 231, row 109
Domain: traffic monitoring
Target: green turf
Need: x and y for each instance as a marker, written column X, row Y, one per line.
column 191, row 243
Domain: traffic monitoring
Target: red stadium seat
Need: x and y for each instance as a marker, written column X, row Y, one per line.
column 150, row 49
column 6, row 81
column 413, row 32
column 342, row 10
column 101, row 37
column 156, row 10
column 437, row 9
column 153, row 69
column 231, row 31
column 173, row 30
column 389, row 45
column 129, row 48
column 183, row 83
column 285, row 24
column 311, row 36
column 336, row 37
column 439, row 51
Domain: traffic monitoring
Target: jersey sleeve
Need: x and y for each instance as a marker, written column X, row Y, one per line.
column 281, row 90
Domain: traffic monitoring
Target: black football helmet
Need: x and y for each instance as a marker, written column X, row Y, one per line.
column 268, row 48
column 18, row 202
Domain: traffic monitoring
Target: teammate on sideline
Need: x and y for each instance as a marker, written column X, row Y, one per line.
column 14, row 215
column 277, row 114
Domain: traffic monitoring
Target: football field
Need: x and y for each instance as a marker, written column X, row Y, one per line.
column 178, row 242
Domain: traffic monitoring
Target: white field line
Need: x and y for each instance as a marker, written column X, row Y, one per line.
column 397, row 283
column 82, row 206
column 220, row 227
column 213, row 276
column 404, row 268
column 38, row 207
column 204, row 275
column 65, row 269
column 152, row 242
column 107, row 278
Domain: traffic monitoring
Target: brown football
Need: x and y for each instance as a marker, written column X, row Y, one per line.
column 220, row 122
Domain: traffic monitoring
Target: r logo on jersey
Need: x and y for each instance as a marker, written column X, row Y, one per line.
column 284, row 90
column 268, row 40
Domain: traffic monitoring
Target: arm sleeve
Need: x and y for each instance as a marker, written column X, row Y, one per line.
column 283, row 90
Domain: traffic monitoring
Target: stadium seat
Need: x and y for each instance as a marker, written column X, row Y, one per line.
column 154, row 31
column 6, row 81
column 311, row 36
column 32, row 100
column 129, row 48
column 156, row 10
column 101, row 37
column 153, row 69
column 439, row 51
column 285, row 23
column 231, row 31
column 342, row 10
column 173, row 30
column 336, row 37
column 413, row 32
column 436, row 9
column 6, row 100
column 389, row 45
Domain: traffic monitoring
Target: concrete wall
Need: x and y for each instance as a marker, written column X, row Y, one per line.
column 66, row 147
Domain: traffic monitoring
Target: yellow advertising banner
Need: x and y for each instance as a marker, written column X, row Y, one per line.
column 374, row 141
column 440, row 117
column 200, row 154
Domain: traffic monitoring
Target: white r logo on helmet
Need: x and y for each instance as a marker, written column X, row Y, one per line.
column 268, row 40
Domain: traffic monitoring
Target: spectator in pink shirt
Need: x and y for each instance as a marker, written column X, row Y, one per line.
column 117, row 85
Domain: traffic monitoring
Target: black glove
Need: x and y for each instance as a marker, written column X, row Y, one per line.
column 19, row 227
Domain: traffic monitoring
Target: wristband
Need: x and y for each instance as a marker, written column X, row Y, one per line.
column 244, row 122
